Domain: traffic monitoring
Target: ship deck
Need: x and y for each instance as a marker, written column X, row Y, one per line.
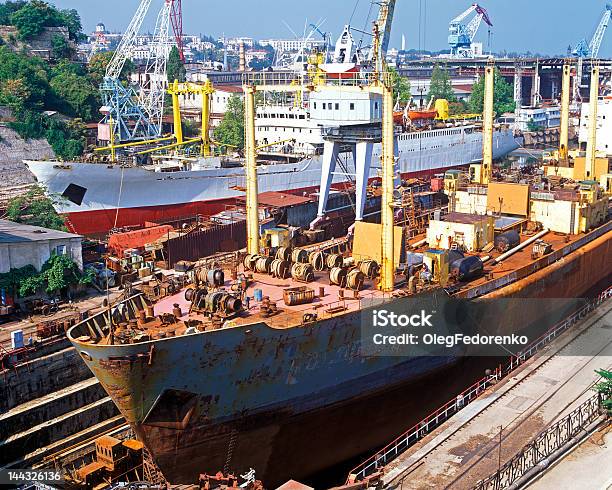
column 329, row 300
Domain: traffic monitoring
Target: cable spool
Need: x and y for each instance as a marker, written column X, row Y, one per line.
column 337, row 276
column 249, row 262
column 299, row 256
column 334, row 260
column 263, row 264
column 280, row 269
column 284, row 253
column 302, row 272
column 317, row 260
column 354, row 279
column 189, row 293
column 215, row 277
column 370, row 268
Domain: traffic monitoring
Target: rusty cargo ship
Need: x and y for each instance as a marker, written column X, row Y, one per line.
column 265, row 370
column 205, row 396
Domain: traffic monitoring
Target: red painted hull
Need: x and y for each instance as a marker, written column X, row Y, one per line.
column 99, row 222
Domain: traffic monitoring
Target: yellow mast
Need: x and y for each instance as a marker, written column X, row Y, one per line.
column 589, row 167
column 565, row 99
column 176, row 112
column 207, row 91
column 387, row 276
column 252, row 204
column 487, row 125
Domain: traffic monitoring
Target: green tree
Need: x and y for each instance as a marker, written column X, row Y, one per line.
column 440, row 87
column 401, row 86
column 605, row 388
column 98, row 63
column 32, row 73
column 75, row 93
column 503, row 96
column 175, row 68
column 33, row 16
column 231, row 130
column 60, row 48
column 10, row 281
column 9, row 8
column 56, row 274
column 36, row 209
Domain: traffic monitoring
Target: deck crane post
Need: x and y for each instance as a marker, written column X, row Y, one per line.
column 461, row 35
column 383, row 27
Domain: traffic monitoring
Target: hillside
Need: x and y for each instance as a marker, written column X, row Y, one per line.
column 14, row 149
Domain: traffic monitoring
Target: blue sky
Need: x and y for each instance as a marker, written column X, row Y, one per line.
column 518, row 25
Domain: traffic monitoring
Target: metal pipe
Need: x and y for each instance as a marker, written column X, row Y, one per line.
column 589, row 164
column 565, row 99
column 169, row 147
column 388, row 174
column 521, row 246
column 133, row 143
column 487, row 125
column 112, row 138
column 252, row 203
column 419, row 243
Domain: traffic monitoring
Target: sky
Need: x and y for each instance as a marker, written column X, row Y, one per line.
column 545, row 26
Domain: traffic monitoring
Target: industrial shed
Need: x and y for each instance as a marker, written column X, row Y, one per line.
column 22, row 245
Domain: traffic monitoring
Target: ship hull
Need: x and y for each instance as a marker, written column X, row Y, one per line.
column 96, row 198
column 243, row 398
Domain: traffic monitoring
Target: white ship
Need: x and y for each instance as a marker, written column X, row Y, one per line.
column 98, row 197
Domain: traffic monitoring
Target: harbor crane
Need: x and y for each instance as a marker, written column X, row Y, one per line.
column 134, row 113
column 347, row 52
column 461, row 36
column 591, row 49
column 584, row 50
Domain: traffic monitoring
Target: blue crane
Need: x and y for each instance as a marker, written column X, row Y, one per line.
column 591, row 49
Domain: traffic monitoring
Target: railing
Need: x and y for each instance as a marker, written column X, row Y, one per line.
column 284, row 81
column 543, row 446
column 418, row 431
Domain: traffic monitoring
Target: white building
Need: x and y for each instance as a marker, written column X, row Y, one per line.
column 255, row 54
column 22, row 245
column 604, row 125
column 542, row 117
column 293, row 44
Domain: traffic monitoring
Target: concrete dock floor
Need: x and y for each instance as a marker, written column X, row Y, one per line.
column 546, row 388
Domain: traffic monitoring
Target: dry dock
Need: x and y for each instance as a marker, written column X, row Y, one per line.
column 542, row 392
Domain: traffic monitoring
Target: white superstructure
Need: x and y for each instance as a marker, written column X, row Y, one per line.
column 604, row 125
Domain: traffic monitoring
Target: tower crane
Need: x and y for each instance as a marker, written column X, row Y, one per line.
column 383, row 26
column 345, row 45
column 176, row 19
column 584, row 50
column 461, row 35
column 132, row 113
column 591, row 50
